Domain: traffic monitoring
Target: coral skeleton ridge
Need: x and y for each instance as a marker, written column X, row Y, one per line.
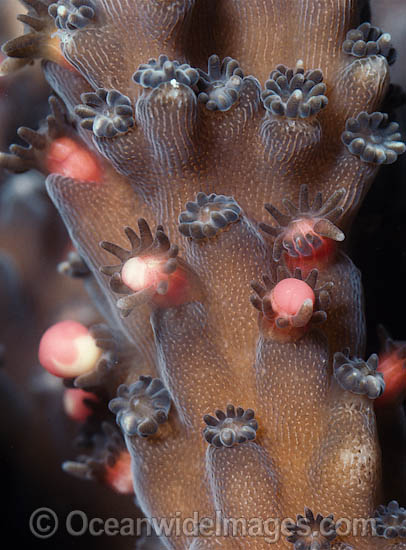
column 219, row 151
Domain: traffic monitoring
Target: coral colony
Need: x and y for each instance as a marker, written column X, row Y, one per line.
column 208, row 160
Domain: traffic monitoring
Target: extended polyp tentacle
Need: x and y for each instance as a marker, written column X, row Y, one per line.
column 348, row 458
column 290, row 304
column 234, row 116
column 72, row 15
column 360, row 86
column 313, row 531
column 243, row 467
column 373, row 138
column 95, row 211
column 253, row 41
column 162, row 453
column 294, row 93
column 219, row 87
column 345, row 325
column 367, row 40
column 40, row 152
column 304, row 239
column 149, row 271
column 370, row 140
column 38, row 42
column 118, row 363
column 141, row 407
column 127, row 151
column 108, row 462
column 107, row 115
column 191, row 363
column 74, row 266
column 391, row 521
column 342, row 168
column 306, row 236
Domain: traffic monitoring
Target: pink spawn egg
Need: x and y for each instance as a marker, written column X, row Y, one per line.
column 74, row 403
column 119, row 476
column 140, row 273
column 67, row 350
column 70, row 159
column 393, row 369
column 289, row 295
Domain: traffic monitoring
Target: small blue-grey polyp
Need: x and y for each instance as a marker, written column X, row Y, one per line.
column 157, row 71
column 294, row 93
column 141, row 407
column 219, row 87
column 231, row 428
column 71, row 15
column 358, row 376
column 367, row 40
column 390, row 521
column 106, row 112
column 207, row 215
column 373, row 138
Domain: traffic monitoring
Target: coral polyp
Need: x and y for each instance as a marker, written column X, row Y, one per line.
column 142, row 406
column 230, row 428
column 294, row 93
column 148, row 272
column 163, row 155
column 208, row 215
column 369, row 40
column 72, row 14
column 158, row 71
column 106, row 112
column 291, row 304
column 357, row 376
column 306, row 234
column 373, row 138
column 219, row 87
column 311, row 532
